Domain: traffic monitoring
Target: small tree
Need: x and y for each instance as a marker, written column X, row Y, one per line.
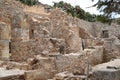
column 29, row 2
column 103, row 19
column 75, row 11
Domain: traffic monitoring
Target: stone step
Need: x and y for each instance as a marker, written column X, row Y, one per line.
column 13, row 74
column 107, row 71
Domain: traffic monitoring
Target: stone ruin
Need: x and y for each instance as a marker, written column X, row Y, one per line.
column 40, row 45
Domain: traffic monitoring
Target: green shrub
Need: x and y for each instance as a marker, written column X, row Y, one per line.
column 29, row 2
column 75, row 11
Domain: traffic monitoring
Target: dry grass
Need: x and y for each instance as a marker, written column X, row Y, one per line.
column 35, row 9
column 12, row 3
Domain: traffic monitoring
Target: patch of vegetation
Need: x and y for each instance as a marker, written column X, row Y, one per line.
column 103, row 19
column 80, row 13
column 29, row 2
column 75, row 11
column 110, row 8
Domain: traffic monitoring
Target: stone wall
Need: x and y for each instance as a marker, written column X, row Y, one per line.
column 77, row 62
column 20, row 51
column 77, row 34
column 30, row 33
column 5, row 37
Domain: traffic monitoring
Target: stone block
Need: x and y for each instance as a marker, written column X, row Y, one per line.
column 47, row 64
column 13, row 74
column 39, row 74
column 74, row 42
column 17, row 65
column 5, row 31
column 112, row 47
column 20, row 51
column 107, row 71
column 62, row 75
column 76, row 63
column 4, row 49
column 25, row 35
column 106, row 74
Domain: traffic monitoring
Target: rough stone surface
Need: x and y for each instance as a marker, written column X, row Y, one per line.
column 106, row 74
column 16, row 65
column 77, row 62
column 11, row 75
column 68, row 76
column 107, row 71
column 62, row 75
column 4, row 49
column 46, row 43
column 39, row 74
column 22, row 52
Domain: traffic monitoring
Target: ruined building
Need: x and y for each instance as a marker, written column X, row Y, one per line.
column 52, row 45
